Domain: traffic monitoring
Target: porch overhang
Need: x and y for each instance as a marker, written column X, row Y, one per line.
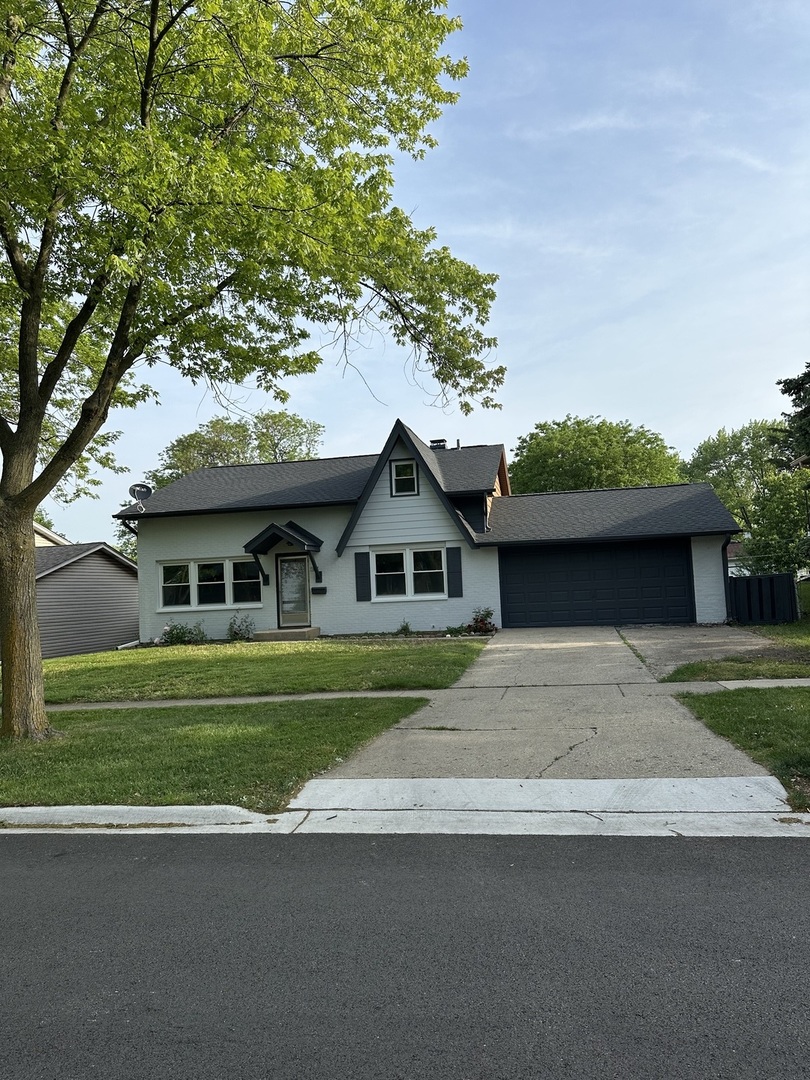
column 292, row 534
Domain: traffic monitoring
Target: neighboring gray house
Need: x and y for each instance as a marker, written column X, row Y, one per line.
column 87, row 597
column 422, row 534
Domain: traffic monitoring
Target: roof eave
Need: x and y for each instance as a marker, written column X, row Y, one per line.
column 157, row 514
column 483, row 541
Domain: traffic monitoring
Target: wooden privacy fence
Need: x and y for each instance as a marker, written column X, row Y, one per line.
column 770, row 598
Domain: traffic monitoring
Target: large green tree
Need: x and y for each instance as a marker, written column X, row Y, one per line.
column 578, row 453
column 778, row 542
column 270, row 435
column 197, row 182
column 265, row 436
column 798, row 419
column 748, row 468
column 739, row 465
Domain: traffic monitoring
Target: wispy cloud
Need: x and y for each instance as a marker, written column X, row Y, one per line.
column 610, row 120
column 733, row 154
column 662, row 82
column 542, row 239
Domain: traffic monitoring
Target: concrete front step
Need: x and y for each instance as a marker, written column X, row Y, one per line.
column 303, row 633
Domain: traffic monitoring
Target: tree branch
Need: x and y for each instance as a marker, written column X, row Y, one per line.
column 19, row 266
column 14, row 30
column 182, row 315
column 53, row 372
column 76, row 50
column 6, row 435
column 96, row 406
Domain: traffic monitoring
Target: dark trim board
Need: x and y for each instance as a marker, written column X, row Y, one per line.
column 597, row 584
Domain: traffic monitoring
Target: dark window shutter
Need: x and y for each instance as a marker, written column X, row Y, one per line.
column 454, row 586
column 362, row 575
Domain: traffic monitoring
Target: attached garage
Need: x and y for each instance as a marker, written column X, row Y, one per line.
column 608, row 557
column 585, row 584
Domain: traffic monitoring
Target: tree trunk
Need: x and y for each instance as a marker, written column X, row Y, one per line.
column 20, row 653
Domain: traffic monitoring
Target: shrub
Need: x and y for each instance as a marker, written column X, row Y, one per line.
column 404, row 629
column 482, row 621
column 182, row 634
column 241, row 628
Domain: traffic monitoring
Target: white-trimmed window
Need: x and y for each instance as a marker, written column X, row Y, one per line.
column 404, row 478
column 409, row 574
column 210, row 583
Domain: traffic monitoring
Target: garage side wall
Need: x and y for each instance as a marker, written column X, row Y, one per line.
column 710, row 579
column 88, row 606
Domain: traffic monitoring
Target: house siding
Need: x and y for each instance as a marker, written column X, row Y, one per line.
column 709, row 579
column 479, row 569
column 223, row 536
column 220, row 536
column 88, row 606
column 420, row 518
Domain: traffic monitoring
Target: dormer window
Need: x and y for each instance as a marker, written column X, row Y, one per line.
column 404, row 478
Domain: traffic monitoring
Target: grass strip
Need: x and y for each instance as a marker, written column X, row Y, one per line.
column 772, row 726
column 739, row 667
column 255, row 756
column 246, row 668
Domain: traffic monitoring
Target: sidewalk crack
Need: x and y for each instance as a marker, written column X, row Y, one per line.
column 574, row 746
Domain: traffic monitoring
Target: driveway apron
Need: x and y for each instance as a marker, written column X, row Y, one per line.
column 566, row 703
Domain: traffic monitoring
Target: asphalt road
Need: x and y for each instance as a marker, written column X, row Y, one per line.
column 403, row 958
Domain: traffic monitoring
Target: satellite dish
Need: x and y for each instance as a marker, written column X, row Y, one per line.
column 140, row 492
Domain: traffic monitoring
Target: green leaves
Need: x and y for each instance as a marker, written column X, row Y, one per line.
column 203, row 182
column 266, row 436
column 582, row 453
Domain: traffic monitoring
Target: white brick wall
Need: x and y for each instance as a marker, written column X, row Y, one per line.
column 710, row 580
column 479, row 572
column 218, row 536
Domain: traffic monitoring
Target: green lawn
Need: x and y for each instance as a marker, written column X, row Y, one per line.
column 255, row 756
column 771, row 725
column 201, row 671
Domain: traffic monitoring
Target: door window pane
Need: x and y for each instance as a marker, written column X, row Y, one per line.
column 247, row 585
column 389, row 575
column 176, row 588
column 211, row 583
column 293, row 592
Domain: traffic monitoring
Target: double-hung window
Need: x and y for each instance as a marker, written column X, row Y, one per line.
column 410, row 573
column 210, row 583
column 404, row 478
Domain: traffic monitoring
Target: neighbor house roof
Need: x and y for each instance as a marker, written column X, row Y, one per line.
column 319, row 482
column 49, row 559
column 608, row 514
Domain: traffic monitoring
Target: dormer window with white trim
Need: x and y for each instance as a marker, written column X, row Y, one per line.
column 404, row 478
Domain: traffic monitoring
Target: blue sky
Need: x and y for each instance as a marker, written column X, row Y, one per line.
column 636, row 172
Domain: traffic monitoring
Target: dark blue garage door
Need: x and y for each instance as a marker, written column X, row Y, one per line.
column 597, row 584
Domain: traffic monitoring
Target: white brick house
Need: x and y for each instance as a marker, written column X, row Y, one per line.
column 422, row 534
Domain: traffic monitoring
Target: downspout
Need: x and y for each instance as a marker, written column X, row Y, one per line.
column 726, row 583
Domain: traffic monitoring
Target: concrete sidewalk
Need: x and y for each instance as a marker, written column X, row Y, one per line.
column 568, row 703
column 549, row 732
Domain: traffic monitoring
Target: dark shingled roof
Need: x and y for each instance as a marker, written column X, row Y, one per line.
column 608, row 514
column 49, row 559
column 320, row 482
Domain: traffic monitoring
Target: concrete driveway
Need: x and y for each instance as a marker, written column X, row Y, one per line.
column 569, row 703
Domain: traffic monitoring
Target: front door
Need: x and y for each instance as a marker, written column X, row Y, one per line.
column 293, row 590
